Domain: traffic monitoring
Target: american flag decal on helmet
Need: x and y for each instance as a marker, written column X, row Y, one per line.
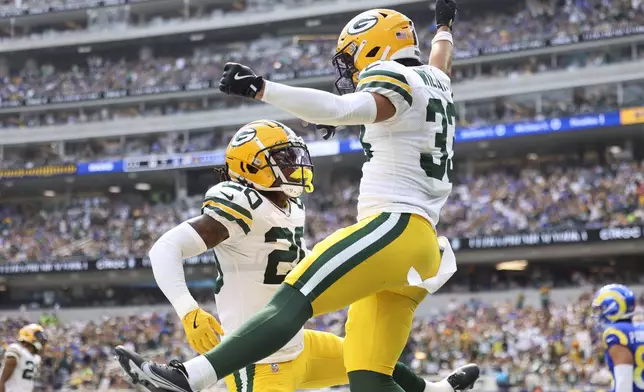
column 401, row 35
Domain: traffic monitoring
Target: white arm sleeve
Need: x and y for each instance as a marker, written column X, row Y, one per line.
column 321, row 107
column 166, row 257
column 623, row 378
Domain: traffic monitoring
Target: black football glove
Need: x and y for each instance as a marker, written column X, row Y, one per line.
column 240, row 80
column 445, row 13
column 329, row 131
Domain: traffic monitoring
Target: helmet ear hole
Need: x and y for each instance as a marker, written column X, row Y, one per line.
column 251, row 169
column 373, row 52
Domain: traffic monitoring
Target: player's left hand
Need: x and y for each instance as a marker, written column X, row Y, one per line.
column 329, row 130
column 445, row 13
column 202, row 329
column 240, row 80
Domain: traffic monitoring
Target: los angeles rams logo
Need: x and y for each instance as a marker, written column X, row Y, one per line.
column 243, row 136
column 363, row 24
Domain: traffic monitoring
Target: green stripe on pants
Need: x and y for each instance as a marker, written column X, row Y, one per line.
column 250, row 372
column 346, row 254
column 245, row 378
column 371, row 249
column 238, row 382
column 337, row 248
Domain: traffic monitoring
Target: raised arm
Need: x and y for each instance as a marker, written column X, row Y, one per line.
column 314, row 106
column 442, row 44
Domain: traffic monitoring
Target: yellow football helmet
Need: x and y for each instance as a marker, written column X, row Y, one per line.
column 268, row 156
column 374, row 35
column 33, row 334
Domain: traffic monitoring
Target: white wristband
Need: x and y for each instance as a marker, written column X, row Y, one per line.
column 623, row 376
column 443, row 36
column 184, row 305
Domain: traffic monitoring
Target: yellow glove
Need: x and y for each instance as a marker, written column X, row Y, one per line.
column 202, row 330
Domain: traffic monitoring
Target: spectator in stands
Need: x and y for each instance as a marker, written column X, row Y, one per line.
column 513, row 345
column 282, row 58
column 499, row 202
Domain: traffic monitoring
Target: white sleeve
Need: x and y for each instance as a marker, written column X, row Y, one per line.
column 166, row 257
column 623, row 378
column 321, row 107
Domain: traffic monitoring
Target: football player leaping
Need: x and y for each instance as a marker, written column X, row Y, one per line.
column 21, row 360
column 254, row 221
column 384, row 265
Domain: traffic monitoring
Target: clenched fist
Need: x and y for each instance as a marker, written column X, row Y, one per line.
column 445, row 13
column 240, row 80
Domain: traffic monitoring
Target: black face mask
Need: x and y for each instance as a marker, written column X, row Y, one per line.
column 291, row 156
column 288, row 157
column 343, row 63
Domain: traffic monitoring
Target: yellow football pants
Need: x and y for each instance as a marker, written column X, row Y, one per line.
column 320, row 365
column 366, row 266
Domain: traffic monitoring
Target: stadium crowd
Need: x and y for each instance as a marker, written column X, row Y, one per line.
column 100, row 75
column 555, row 346
column 591, row 99
column 581, row 100
column 501, row 201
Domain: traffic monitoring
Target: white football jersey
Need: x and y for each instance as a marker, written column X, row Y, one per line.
column 265, row 242
column 22, row 379
column 409, row 165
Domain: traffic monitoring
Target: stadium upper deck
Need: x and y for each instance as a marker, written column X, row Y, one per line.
column 148, row 78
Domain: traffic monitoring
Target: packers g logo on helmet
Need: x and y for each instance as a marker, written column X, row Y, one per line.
column 268, row 156
column 242, row 136
column 374, row 35
column 362, row 25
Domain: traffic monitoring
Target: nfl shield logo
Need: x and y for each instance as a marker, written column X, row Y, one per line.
column 401, row 34
column 275, row 367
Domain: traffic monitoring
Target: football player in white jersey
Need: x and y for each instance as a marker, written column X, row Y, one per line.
column 21, row 360
column 254, row 221
column 388, row 262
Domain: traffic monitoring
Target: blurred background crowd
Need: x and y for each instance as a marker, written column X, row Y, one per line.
column 508, row 200
column 554, row 346
column 149, row 69
column 525, row 336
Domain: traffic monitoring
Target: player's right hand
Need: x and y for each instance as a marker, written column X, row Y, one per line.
column 202, row 329
column 239, row 79
column 329, row 130
column 445, row 13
